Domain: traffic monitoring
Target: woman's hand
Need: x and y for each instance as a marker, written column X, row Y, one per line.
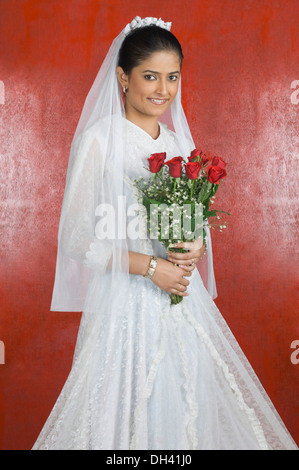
column 171, row 278
column 190, row 259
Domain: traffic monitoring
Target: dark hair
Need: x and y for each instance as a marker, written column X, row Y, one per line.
column 142, row 42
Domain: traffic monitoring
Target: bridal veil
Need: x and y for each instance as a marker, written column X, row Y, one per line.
column 92, row 230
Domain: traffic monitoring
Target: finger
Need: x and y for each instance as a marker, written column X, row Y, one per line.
column 179, row 256
column 178, row 292
column 185, row 267
column 186, row 270
column 182, row 283
column 181, row 290
column 182, row 294
column 189, row 268
column 181, row 262
column 184, row 263
column 194, row 245
column 185, row 256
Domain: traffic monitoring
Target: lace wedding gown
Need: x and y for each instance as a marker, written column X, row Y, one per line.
column 162, row 377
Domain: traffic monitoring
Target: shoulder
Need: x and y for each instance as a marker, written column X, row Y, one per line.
column 167, row 135
column 177, row 140
column 165, row 129
column 98, row 132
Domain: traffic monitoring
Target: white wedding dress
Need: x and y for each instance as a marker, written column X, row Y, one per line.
column 160, row 377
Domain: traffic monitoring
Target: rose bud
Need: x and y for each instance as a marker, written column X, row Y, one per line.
column 205, row 159
column 156, row 161
column 218, row 161
column 215, row 174
column 192, row 170
column 194, row 156
column 175, row 166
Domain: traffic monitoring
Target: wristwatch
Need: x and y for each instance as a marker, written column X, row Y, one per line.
column 152, row 267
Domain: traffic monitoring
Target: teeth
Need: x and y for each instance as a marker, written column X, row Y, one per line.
column 157, row 101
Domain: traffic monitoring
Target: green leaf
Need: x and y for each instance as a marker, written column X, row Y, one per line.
column 211, row 213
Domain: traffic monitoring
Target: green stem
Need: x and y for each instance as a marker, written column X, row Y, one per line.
column 192, row 186
column 176, row 299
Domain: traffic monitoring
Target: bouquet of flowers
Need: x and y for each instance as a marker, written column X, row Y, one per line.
column 177, row 198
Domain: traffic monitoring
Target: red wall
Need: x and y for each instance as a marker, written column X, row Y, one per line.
column 240, row 61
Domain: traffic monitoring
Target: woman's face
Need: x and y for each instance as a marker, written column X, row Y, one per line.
column 152, row 85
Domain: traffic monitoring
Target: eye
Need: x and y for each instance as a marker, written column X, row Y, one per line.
column 173, row 78
column 149, row 77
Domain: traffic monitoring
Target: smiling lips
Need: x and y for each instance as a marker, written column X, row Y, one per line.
column 157, row 101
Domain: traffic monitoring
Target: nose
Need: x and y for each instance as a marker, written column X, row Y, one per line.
column 162, row 88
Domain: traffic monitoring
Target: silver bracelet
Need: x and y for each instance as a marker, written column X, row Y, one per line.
column 152, row 267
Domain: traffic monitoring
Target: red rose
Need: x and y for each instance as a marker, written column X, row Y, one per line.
column 218, row 161
column 175, row 166
column 205, row 159
column 156, row 161
column 192, row 170
column 198, row 155
column 215, row 174
column 194, row 155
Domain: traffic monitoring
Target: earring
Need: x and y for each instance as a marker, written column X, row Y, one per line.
column 124, row 89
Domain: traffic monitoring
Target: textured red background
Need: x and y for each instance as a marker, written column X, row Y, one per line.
column 240, row 60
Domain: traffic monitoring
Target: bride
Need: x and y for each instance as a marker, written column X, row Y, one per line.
column 146, row 374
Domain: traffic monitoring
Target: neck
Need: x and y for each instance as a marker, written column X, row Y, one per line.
column 149, row 124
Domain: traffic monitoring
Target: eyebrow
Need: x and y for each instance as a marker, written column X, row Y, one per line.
column 158, row 73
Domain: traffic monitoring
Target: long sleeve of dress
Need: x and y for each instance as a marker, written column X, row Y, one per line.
column 77, row 228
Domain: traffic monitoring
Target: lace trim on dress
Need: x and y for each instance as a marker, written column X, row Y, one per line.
column 250, row 413
column 98, row 255
column 193, row 408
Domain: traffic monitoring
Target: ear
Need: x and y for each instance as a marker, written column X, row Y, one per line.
column 122, row 77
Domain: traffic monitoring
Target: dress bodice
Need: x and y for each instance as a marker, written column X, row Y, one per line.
column 140, row 145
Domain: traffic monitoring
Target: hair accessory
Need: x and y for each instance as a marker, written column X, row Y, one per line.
column 138, row 23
